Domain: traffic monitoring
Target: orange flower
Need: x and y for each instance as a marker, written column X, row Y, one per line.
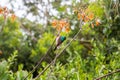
column 54, row 23
column 62, row 23
column 83, row 15
column 91, row 16
column 58, row 28
column 79, row 16
column 97, row 22
column 1, row 10
column 13, row 17
column 67, row 29
column 86, row 19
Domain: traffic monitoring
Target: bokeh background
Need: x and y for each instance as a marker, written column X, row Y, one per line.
column 27, row 31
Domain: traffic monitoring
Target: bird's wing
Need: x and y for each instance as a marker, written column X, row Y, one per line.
column 58, row 41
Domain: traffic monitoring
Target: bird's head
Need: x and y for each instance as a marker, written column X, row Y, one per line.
column 63, row 38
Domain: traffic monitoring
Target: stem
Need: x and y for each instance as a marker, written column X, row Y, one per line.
column 107, row 74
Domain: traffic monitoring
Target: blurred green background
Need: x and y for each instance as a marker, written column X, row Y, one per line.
column 24, row 41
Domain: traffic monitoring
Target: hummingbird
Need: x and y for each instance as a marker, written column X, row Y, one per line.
column 59, row 41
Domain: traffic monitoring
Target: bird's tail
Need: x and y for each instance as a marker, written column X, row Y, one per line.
column 55, row 48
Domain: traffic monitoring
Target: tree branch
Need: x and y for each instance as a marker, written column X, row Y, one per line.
column 118, row 70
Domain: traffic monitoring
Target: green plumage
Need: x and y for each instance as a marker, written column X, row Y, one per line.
column 62, row 38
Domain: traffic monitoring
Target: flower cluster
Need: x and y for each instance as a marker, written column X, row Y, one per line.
column 61, row 25
column 5, row 12
column 88, row 16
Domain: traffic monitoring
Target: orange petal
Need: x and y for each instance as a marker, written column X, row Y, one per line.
column 79, row 16
column 97, row 22
column 54, row 23
column 1, row 10
column 91, row 16
column 67, row 29
column 86, row 19
column 62, row 23
column 83, row 15
column 61, row 26
column 58, row 28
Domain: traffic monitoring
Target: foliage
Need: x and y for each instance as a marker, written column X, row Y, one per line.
column 94, row 52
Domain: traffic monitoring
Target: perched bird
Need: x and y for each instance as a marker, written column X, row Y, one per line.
column 59, row 40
